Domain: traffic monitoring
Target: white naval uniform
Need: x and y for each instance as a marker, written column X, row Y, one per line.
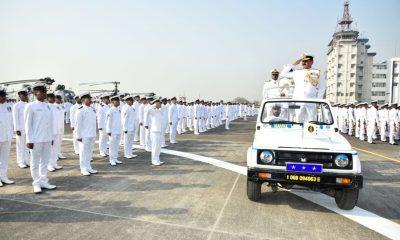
column 6, row 134
column 156, row 127
column 383, row 123
column 136, row 105
column 228, row 115
column 393, row 125
column 363, row 122
column 142, row 132
column 173, row 121
column 39, row 131
column 19, row 125
column 101, row 122
column 351, row 119
column 307, row 82
column 196, row 116
column 147, row 123
column 164, row 110
column 86, row 130
column 113, row 127
column 73, row 112
column 128, row 127
column 372, row 122
column 67, row 108
column 58, row 132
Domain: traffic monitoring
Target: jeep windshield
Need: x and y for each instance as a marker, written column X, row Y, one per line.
column 296, row 112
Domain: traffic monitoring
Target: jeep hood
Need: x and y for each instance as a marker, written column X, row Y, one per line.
column 295, row 139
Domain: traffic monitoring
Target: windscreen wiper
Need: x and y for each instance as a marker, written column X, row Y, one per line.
column 319, row 123
column 284, row 122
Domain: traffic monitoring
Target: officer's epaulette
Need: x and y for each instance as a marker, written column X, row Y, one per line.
column 80, row 107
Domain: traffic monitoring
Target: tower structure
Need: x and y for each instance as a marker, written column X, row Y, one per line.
column 349, row 66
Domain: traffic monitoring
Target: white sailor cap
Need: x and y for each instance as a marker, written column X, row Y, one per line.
column 115, row 97
column 39, row 86
column 128, row 97
column 156, row 101
column 85, row 95
column 22, row 90
column 274, row 70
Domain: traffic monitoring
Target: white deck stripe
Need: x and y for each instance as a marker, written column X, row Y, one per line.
column 370, row 220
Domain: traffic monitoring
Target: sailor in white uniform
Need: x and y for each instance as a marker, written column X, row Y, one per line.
column 393, row 123
column 142, row 130
column 67, row 108
column 156, row 128
column 307, row 82
column 147, row 122
column 164, row 110
column 173, row 120
column 39, row 137
column 58, row 132
column 102, row 110
column 113, row 129
column 228, row 114
column 136, row 105
column 19, row 128
column 271, row 87
column 6, row 133
column 73, row 112
column 196, row 117
column 383, row 114
column 128, row 126
column 372, row 121
column 86, row 134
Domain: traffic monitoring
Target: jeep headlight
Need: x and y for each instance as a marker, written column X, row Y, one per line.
column 266, row 156
column 342, row 160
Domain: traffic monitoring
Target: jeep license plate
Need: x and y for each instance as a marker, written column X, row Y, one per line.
column 304, row 167
column 302, row 178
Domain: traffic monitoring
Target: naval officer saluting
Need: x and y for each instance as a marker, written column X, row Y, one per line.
column 39, row 137
column 307, row 82
column 86, row 133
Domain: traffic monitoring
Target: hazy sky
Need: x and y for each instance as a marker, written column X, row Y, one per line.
column 213, row 48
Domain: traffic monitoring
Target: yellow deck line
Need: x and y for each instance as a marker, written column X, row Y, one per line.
column 377, row 154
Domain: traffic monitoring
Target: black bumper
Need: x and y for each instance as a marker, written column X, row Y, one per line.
column 326, row 180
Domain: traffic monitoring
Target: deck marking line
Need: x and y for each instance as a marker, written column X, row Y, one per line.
column 363, row 217
column 377, row 154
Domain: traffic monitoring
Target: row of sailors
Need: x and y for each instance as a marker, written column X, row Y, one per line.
column 367, row 121
column 119, row 120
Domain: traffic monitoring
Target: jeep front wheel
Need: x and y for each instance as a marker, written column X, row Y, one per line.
column 346, row 198
column 253, row 190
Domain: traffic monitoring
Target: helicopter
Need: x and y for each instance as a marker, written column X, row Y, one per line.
column 115, row 91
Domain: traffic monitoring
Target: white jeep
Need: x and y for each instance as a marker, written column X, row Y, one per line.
column 296, row 143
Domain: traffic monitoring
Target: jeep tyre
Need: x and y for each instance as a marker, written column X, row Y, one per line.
column 346, row 198
column 253, row 190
